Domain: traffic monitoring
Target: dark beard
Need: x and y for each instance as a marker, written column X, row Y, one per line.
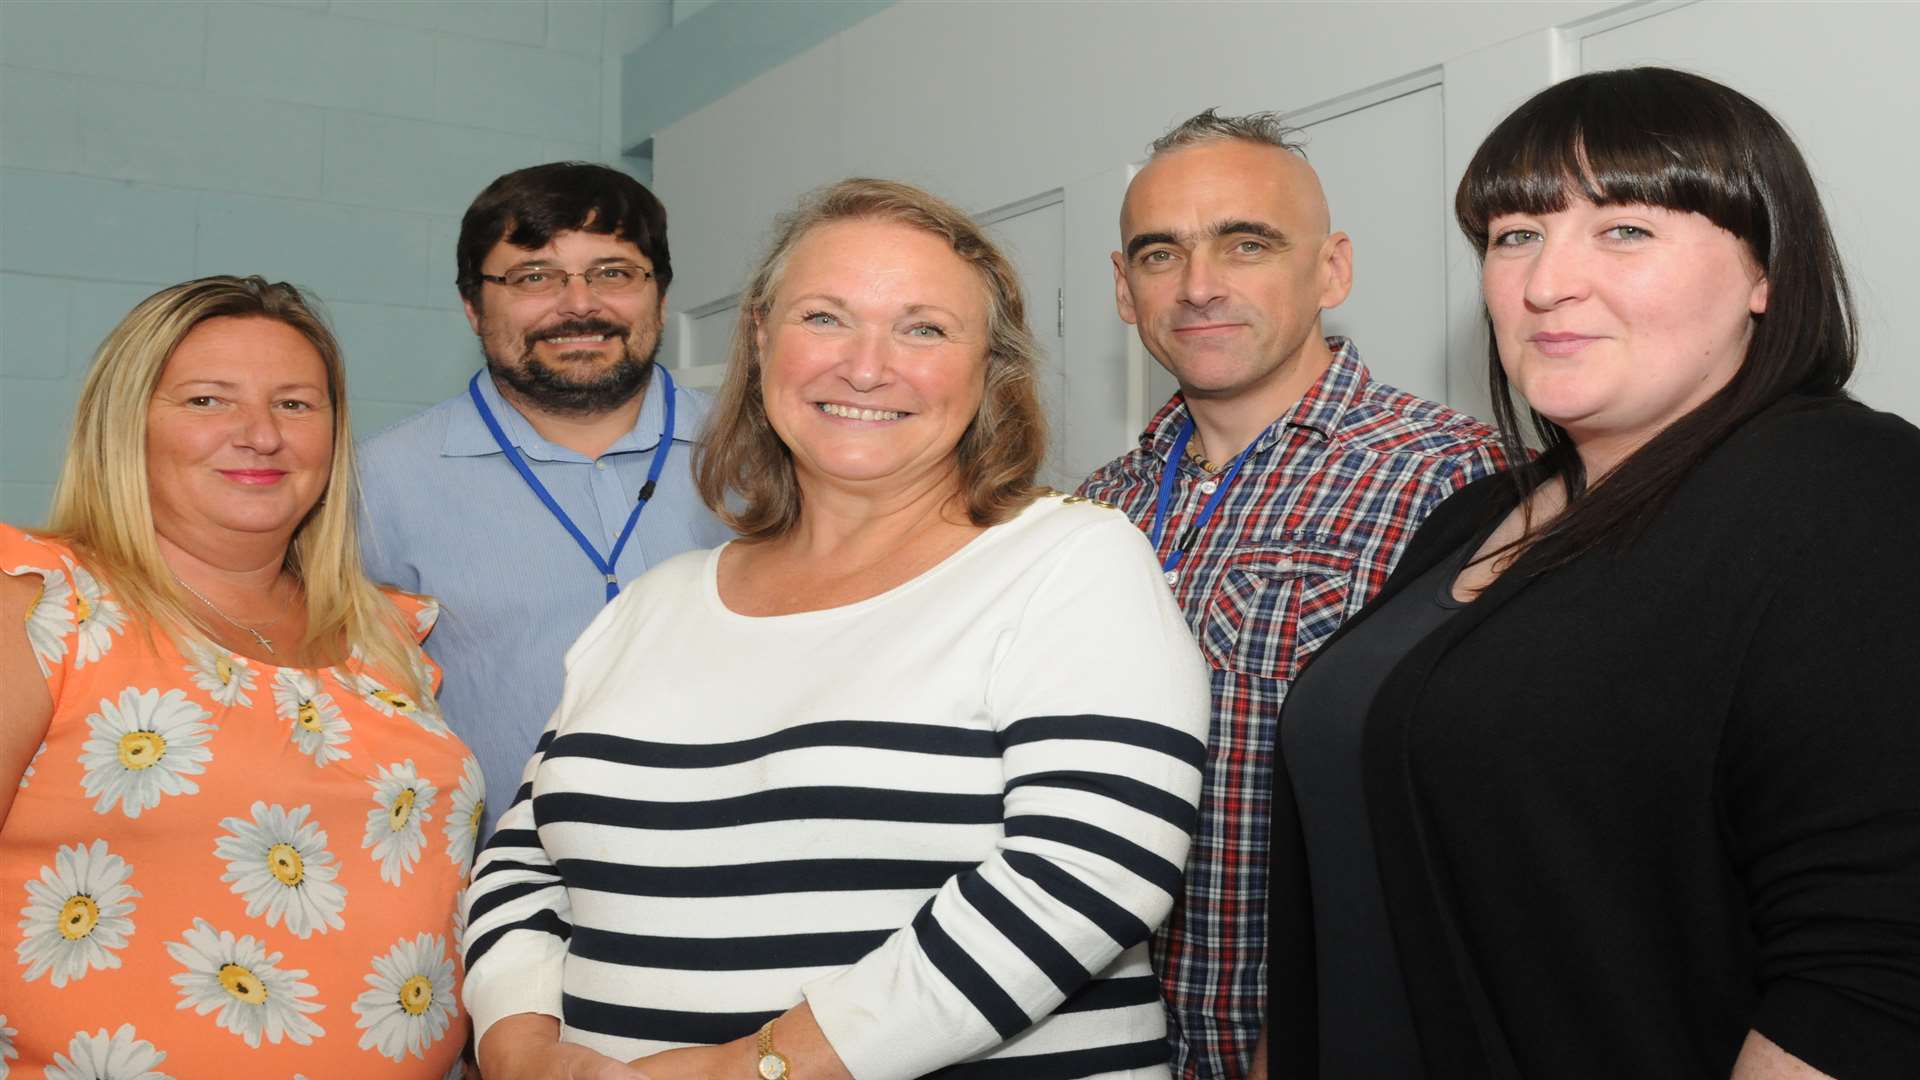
column 554, row 390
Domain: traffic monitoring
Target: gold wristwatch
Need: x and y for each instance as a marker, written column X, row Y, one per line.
column 772, row 1064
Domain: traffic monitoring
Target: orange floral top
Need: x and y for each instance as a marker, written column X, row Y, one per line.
column 218, row 867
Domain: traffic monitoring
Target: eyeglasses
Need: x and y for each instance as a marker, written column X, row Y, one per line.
column 610, row 279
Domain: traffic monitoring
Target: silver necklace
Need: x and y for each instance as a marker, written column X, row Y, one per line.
column 265, row 642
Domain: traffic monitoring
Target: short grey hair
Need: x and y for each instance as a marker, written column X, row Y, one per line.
column 1209, row 126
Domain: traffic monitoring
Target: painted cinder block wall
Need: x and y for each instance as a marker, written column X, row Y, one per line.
column 333, row 145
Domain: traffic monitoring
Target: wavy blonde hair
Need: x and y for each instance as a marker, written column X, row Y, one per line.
column 102, row 504
column 1000, row 452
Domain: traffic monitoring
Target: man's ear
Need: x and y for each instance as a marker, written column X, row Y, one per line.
column 473, row 316
column 1336, row 270
column 1122, row 292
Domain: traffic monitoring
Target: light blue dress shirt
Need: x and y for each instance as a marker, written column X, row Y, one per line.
column 444, row 513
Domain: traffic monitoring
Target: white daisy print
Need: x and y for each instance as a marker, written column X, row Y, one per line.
column 390, row 702
column 28, row 775
column 239, row 981
column 396, row 826
column 79, row 913
column 279, row 862
column 97, row 617
column 428, row 614
column 225, row 676
column 469, row 810
column 319, row 730
column 48, row 620
column 459, row 938
column 410, row 1002
column 148, row 745
column 99, row 1056
column 7, row 1051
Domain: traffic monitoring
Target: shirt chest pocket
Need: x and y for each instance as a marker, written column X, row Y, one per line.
column 1273, row 606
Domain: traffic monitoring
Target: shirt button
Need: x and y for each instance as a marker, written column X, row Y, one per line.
column 1208, row 487
column 601, row 465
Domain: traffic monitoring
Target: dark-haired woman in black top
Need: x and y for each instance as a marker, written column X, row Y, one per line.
column 1620, row 773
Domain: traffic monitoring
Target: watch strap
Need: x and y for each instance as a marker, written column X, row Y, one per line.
column 771, row 1064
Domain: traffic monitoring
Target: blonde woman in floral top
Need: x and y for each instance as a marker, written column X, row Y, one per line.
column 233, row 826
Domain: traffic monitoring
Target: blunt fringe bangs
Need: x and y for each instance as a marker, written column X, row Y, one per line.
column 528, row 206
column 1659, row 137
column 103, row 506
column 745, row 473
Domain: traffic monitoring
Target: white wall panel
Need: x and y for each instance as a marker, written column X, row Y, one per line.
column 1842, row 79
column 991, row 104
column 1397, row 217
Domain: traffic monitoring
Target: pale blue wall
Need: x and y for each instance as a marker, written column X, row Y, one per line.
column 718, row 46
column 333, row 145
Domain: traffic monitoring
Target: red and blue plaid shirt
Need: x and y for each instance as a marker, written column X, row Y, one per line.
column 1327, row 499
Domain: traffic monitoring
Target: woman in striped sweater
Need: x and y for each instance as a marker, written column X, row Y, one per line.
column 900, row 782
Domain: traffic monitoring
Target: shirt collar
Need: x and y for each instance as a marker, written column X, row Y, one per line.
column 1320, row 410
column 467, row 434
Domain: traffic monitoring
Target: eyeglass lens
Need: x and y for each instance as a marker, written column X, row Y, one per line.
column 612, row 278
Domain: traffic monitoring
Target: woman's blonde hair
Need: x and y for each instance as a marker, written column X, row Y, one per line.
column 1000, row 452
column 102, row 504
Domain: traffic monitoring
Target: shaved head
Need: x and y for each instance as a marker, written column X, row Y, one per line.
column 1279, row 170
column 1227, row 257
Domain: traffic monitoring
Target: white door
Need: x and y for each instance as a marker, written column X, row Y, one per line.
column 1033, row 234
column 1841, row 77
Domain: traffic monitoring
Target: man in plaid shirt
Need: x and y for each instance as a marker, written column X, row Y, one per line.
column 1279, row 485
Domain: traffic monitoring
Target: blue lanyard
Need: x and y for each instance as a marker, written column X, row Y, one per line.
column 1167, row 474
column 604, row 565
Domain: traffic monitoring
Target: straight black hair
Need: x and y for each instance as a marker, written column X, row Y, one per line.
column 1658, row 137
column 526, row 207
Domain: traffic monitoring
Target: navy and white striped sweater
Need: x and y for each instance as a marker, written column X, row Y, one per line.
column 948, row 816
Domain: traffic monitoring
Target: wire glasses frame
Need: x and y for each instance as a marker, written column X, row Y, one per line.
column 610, row 279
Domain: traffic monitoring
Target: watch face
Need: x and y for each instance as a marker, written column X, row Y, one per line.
column 772, row 1067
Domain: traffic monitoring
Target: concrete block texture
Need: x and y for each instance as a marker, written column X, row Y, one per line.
column 33, row 326
column 286, row 54
column 520, row 21
column 198, row 139
column 442, row 235
column 24, row 504
column 517, row 88
column 343, row 253
column 39, row 118
column 330, row 143
column 35, row 418
column 416, row 165
column 146, row 41
column 578, row 26
column 98, row 307
column 84, row 227
column 404, row 355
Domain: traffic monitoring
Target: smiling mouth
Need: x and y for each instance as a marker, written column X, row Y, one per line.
column 1203, row 328
column 1561, row 345
column 253, row 476
column 848, row 412
column 575, row 339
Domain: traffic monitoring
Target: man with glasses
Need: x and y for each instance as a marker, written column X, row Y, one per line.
column 560, row 473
